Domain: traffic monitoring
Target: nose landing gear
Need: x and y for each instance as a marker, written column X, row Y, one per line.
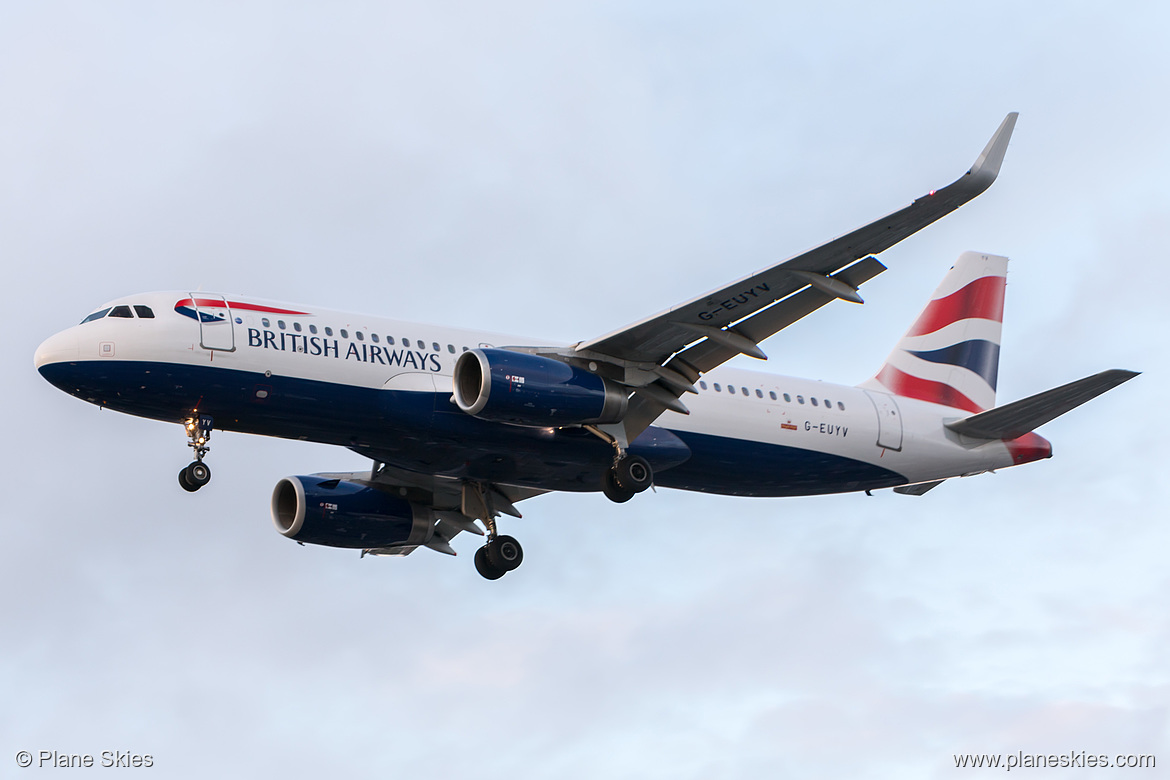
column 196, row 474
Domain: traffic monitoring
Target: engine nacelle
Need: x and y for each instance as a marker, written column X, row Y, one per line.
column 337, row 513
column 524, row 389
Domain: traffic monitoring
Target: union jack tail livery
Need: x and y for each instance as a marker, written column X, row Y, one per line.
column 950, row 355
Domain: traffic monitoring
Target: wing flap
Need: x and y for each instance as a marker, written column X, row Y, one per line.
column 707, row 354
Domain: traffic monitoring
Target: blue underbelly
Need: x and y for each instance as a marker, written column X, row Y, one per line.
column 424, row 432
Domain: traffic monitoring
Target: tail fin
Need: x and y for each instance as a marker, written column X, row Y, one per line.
column 950, row 355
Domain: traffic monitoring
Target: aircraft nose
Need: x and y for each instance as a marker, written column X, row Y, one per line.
column 58, row 348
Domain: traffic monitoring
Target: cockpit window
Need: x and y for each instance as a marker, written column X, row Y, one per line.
column 121, row 311
column 144, row 312
column 97, row 315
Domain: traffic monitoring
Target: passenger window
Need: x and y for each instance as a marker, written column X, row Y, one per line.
column 360, row 336
column 121, row 311
column 390, row 340
column 814, row 401
column 313, row 329
column 759, row 393
column 264, row 321
column 788, row 398
column 703, row 385
column 435, row 346
column 841, row 406
column 344, row 333
column 297, row 327
column 451, row 348
column 828, row 404
column 280, row 324
column 717, row 388
column 328, row 331
column 144, row 312
column 374, row 337
column 772, row 394
column 97, row 315
column 800, row 399
column 406, row 342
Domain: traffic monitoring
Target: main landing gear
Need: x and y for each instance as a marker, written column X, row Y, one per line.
column 499, row 556
column 502, row 553
column 196, row 474
column 629, row 475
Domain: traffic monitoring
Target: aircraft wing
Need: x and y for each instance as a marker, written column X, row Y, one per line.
column 456, row 504
column 661, row 356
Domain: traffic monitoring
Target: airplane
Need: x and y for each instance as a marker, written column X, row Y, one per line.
column 461, row 426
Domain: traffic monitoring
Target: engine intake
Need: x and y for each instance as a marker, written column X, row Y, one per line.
column 337, row 513
column 524, row 389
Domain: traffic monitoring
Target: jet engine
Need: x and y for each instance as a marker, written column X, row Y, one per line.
column 337, row 513
column 523, row 389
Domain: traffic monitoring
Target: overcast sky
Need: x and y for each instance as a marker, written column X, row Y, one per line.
column 560, row 170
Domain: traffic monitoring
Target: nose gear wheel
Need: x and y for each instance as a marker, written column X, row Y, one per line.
column 197, row 473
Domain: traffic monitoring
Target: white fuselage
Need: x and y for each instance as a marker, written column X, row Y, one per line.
column 254, row 370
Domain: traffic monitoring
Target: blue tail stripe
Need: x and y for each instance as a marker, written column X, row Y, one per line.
column 978, row 356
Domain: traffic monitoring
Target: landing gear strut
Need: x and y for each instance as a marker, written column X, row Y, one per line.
column 196, row 474
column 630, row 474
column 501, row 554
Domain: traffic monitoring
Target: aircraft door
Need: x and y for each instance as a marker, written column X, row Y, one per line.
column 216, row 330
column 889, row 420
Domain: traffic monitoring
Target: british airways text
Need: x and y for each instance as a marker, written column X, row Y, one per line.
column 327, row 347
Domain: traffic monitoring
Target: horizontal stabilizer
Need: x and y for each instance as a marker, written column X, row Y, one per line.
column 1015, row 419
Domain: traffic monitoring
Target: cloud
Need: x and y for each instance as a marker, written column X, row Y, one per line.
column 561, row 171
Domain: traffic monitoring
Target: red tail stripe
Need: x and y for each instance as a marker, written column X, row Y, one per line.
column 907, row 386
column 981, row 299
